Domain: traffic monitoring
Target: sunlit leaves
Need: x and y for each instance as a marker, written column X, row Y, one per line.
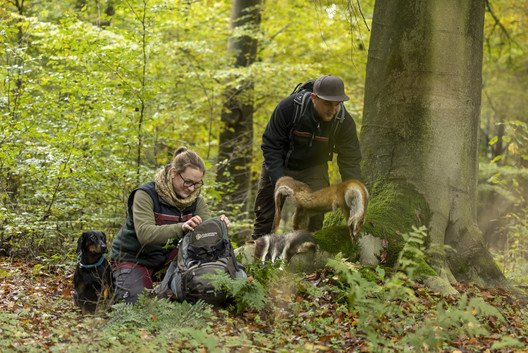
column 504, row 70
column 83, row 104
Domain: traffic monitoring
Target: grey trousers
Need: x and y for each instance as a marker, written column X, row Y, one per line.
column 131, row 282
column 132, row 279
column 315, row 177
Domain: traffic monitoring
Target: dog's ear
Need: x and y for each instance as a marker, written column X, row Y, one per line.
column 102, row 238
column 80, row 242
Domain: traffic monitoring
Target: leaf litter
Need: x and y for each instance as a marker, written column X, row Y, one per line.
column 37, row 314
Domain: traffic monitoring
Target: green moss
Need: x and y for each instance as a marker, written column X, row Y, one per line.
column 423, row 270
column 334, row 218
column 336, row 239
column 369, row 273
column 394, row 208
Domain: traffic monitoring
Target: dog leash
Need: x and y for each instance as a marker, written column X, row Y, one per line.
column 98, row 263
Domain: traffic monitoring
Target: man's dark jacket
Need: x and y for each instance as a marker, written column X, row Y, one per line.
column 311, row 142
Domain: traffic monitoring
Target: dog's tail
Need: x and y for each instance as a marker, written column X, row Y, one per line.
column 356, row 198
column 281, row 192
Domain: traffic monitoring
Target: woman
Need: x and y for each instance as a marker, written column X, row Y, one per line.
column 158, row 211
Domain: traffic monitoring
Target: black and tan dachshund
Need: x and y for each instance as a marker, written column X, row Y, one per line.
column 93, row 276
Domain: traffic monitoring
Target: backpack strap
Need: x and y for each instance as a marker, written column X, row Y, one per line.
column 304, row 86
column 299, row 102
column 296, row 89
column 340, row 117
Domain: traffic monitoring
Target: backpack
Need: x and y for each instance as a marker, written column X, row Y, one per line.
column 204, row 250
column 302, row 92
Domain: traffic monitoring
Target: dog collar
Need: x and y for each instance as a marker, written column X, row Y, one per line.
column 98, row 263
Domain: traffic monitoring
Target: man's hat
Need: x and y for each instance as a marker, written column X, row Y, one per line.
column 330, row 88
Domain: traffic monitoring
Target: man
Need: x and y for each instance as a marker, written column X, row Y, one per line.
column 303, row 151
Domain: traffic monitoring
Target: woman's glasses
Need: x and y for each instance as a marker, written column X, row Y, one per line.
column 189, row 183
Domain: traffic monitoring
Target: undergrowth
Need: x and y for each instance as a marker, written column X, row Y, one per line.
column 339, row 308
column 157, row 315
column 243, row 293
column 379, row 307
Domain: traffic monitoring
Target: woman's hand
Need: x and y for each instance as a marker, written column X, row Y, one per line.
column 191, row 223
column 226, row 221
column 194, row 221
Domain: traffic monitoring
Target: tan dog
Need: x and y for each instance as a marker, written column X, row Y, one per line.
column 351, row 196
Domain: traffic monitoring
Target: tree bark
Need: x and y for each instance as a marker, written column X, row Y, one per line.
column 236, row 136
column 421, row 122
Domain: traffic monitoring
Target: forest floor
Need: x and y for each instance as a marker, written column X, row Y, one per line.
column 37, row 315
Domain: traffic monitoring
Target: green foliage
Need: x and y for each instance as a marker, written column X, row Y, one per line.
column 51, row 137
column 9, row 329
column 93, row 104
column 245, row 293
column 310, row 313
column 358, row 291
column 503, row 174
column 504, row 71
column 395, row 302
column 411, row 258
column 395, row 208
column 88, row 112
column 409, row 250
column 508, row 342
column 462, row 319
column 328, row 238
column 252, row 293
column 157, row 314
column 503, row 206
column 374, row 305
column 265, row 273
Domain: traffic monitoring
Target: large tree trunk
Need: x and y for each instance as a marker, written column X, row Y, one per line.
column 236, row 136
column 421, row 122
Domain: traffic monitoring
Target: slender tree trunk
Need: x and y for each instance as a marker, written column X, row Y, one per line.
column 421, row 121
column 236, row 136
column 142, row 89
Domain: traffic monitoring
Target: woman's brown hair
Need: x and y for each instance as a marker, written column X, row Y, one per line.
column 183, row 158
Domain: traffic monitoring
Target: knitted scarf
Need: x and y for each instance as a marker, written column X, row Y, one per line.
column 165, row 190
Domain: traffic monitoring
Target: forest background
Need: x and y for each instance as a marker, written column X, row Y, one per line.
column 96, row 95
